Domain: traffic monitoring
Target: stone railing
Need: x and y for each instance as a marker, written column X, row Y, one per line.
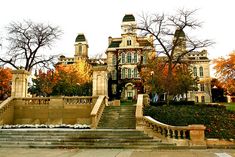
column 191, row 135
column 164, row 130
column 97, row 110
column 77, row 100
column 6, row 111
column 34, row 101
column 47, row 110
column 142, row 101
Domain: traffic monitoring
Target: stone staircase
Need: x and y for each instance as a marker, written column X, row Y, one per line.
column 116, row 130
column 71, row 138
column 118, row 117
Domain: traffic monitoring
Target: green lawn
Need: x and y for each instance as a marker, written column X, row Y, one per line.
column 229, row 106
column 128, row 103
column 219, row 122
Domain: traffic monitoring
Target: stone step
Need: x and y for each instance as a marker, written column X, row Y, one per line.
column 71, row 138
column 61, row 146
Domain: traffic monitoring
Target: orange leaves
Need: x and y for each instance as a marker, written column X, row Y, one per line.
column 225, row 70
column 47, row 81
column 78, row 73
column 5, row 81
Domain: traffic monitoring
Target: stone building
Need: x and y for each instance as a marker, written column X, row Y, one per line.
column 199, row 64
column 124, row 54
column 127, row 52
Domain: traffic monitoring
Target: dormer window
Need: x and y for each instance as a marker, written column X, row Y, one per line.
column 128, row 42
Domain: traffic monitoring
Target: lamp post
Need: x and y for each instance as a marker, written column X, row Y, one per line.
column 152, row 73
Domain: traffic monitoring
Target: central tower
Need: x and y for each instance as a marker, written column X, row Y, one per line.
column 81, row 47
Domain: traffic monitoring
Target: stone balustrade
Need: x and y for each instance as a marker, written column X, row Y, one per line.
column 47, row 110
column 164, row 130
column 6, row 111
column 97, row 110
column 34, row 101
column 77, row 100
column 191, row 135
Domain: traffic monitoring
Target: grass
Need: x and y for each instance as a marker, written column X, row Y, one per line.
column 229, row 106
column 219, row 122
column 128, row 103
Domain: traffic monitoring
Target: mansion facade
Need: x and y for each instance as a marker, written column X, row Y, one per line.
column 125, row 54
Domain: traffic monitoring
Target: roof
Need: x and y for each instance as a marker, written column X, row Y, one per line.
column 179, row 33
column 80, row 38
column 144, row 43
column 114, row 44
column 128, row 17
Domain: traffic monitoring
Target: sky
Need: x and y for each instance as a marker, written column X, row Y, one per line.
column 99, row 19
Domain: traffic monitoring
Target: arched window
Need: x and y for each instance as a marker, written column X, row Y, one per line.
column 123, row 57
column 135, row 57
column 128, row 57
column 129, row 73
column 80, row 49
column 195, row 71
column 202, row 87
column 135, row 73
column 128, row 42
column 114, row 60
column 123, row 73
column 201, row 71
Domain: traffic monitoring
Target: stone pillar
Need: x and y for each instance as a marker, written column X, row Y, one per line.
column 197, row 135
column 100, row 81
column 19, row 86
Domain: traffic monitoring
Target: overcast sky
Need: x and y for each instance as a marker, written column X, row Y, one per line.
column 99, row 19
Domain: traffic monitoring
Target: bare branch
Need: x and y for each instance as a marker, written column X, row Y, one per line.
column 26, row 39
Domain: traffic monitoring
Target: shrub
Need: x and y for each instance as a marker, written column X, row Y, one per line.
column 181, row 103
column 219, row 122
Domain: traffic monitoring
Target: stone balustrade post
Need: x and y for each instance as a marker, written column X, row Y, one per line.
column 197, row 135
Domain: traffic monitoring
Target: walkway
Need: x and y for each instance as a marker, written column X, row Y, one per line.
column 19, row 152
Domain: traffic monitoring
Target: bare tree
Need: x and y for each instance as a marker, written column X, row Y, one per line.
column 25, row 40
column 170, row 35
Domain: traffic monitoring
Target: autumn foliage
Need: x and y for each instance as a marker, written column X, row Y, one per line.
column 70, row 80
column 155, row 74
column 225, row 71
column 5, row 82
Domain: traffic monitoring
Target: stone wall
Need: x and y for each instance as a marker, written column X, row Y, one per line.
column 49, row 111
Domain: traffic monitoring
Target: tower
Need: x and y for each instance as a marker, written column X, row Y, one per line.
column 179, row 41
column 128, row 24
column 81, row 47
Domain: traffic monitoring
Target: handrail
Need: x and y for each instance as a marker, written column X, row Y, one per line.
column 97, row 111
column 139, row 106
column 168, row 131
column 4, row 107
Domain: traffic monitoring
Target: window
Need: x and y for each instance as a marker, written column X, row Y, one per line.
column 135, row 73
column 129, row 94
column 128, row 57
column 144, row 58
column 123, row 73
column 196, row 98
column 135, row 57
column 114, row 60
column 203, row 99
column 201, row 71
column 128, row 42
column 80, row 49
column 195, row 71
column 114, row 75
column 129, row 73
column 123, row 57
column 202, row 87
